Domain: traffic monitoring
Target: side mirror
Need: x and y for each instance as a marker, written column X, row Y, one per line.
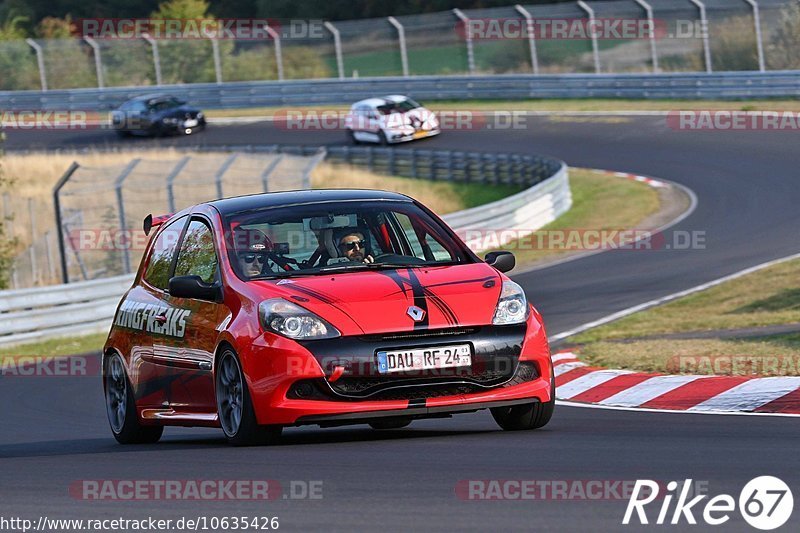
column 502, row 261
column 194, row 287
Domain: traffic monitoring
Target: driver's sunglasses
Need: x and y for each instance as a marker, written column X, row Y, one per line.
column 352, row 245
column 249, row 258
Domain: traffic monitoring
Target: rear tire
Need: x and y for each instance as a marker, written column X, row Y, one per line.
column 390, row 423
column 527, row 416
column 235, row 408
column 121, row 406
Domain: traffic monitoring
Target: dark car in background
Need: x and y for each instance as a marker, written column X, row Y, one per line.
column 157, row 114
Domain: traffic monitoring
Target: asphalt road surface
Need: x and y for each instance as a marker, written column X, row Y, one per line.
column 55, row 432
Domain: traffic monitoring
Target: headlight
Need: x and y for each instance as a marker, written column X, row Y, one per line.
column 512, row 307
column 199, row 114
column 291, row 320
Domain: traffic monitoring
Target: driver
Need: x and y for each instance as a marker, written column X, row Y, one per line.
column 251, row 246
column 353, row 246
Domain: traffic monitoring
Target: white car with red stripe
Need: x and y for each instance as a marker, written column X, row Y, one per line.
column 390, row 119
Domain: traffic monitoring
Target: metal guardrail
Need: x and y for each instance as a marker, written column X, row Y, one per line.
column 88, row 306
column 718, row 85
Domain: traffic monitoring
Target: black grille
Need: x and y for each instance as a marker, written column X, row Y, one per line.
column 349, row 388
column 418, row 334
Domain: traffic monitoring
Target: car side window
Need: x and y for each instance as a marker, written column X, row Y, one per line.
column 197, row 256
column 161, row 254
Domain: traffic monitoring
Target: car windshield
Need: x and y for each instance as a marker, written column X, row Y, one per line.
column 402, row 106
column 164, row 103
column 327, row 237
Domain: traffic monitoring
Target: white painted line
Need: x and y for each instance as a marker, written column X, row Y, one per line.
column 668, row 298
column 566, row 367
column 647, row 390
column 567, row 403
column 750, row 395
column 588, row 381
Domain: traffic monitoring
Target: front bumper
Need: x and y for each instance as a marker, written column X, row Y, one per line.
column 399, row 136
column 510, row 363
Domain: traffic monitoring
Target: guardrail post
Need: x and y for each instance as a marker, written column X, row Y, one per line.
column 98, row 60
column 156, row 57
column 171, row 181
column 126, row 255
column 648, row 9
column 759, row 36
column 278, row 52
column 704, row 29
column 593, row 33
column 40, row 61
column 531, row 36
column 62, row 251
column 268, row 170
column 401, row 37
column 468, row 38
column 337, row 47
column 221, row 172
column 217, row 60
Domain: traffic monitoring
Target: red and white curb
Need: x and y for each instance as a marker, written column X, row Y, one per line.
column 578, row 382
column 657, row 184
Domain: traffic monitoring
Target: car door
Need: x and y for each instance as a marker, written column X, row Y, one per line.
column 191, row 353
column 142, row 310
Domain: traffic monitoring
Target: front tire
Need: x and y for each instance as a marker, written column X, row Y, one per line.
column 235, row 408
column 121, row 406
column 382, row 140
column 527, row 416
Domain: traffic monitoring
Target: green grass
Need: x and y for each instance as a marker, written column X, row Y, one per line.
column 599, row 202
column 763, row 298
column 551, row 105
column 57, row 347
column 775, row 355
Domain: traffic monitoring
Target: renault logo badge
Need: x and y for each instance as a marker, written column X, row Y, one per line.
column 416, row 313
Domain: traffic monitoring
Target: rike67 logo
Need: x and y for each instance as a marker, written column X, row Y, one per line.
column 765, row 503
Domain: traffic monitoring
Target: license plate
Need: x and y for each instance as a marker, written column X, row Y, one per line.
column 190, row 123
column 424, row 358
column 420, row 133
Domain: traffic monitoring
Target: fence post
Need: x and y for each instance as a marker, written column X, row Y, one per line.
column 531, row 36
column 312, row 164
column 221, row 172
column 40, row 61
column 126, row 256
column 759, row 36
column 98, row 61
column 269, row 169
column 217, row 60
column 156, row 57
column 468, row 38
column 34, row 265
column 401, row 36
column 593, row 33
column 278, row 52
column 704, row 29
column 337, row 46
column 171, row 180
column 649, row 11
column 59, row 222
column 51, row 267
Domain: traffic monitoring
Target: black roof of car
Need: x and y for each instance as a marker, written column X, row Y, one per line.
column 236, row 204
column 151, row 96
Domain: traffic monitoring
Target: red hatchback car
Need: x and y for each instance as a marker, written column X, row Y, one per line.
column 325, row 307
